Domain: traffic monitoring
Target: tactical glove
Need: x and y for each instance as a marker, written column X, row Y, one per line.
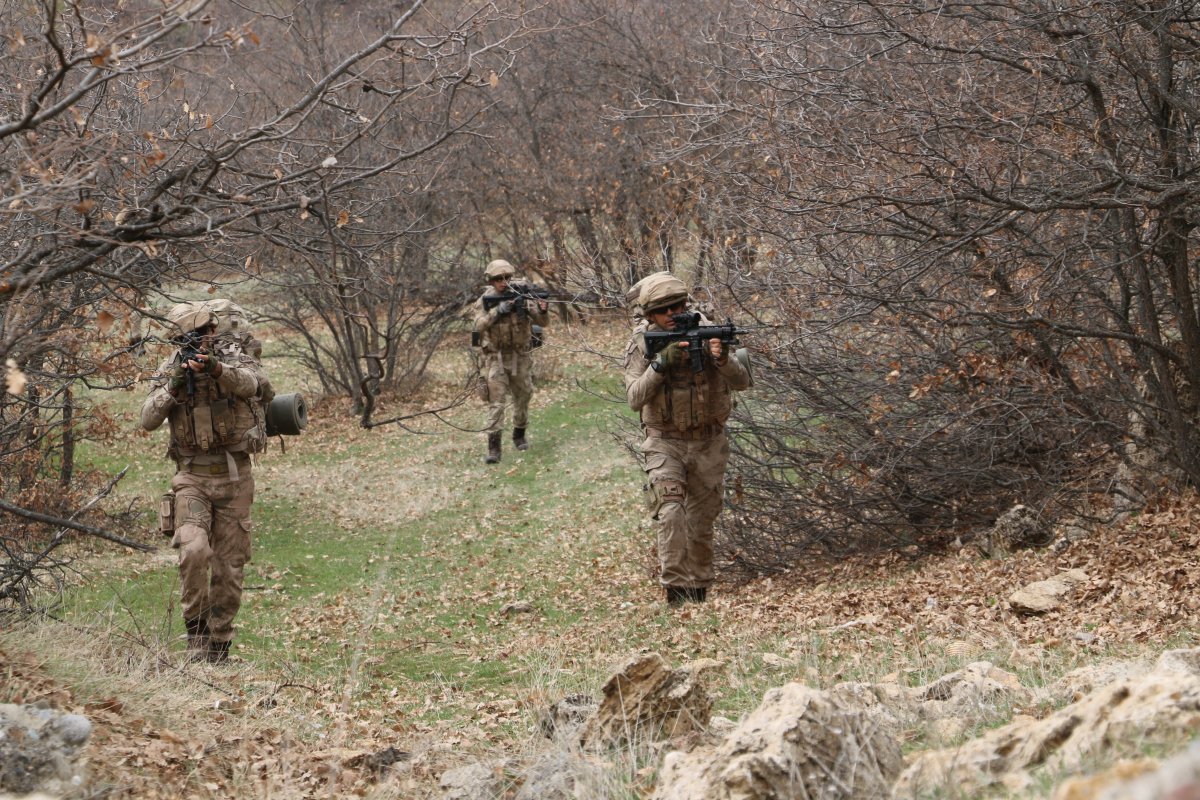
column 505, row 307
column 212, row 366
column 178, row 379
column 672, row 354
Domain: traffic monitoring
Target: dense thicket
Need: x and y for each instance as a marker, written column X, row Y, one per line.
column 982, row 217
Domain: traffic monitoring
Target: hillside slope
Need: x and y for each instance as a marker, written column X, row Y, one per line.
column 408, row 603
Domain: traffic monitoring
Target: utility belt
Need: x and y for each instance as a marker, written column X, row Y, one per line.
column 699, row 433
column 220, row 464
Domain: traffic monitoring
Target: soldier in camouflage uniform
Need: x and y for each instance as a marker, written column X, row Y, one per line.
column 683, row 417
column 213, row 404
column 506, row 333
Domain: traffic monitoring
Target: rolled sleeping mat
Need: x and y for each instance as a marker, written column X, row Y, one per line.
column 537, row 337
column 287, row 415
column 743, row 355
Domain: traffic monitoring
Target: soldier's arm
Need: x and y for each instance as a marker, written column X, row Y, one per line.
column 537, row 316
column 157, row 408
column 736, row 375
column 241, row 376
column 641, row 382
column 483, row 317
column 158, row 404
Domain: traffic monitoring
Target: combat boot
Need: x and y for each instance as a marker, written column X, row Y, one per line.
column 493, row 456
column 697, row 594
column 218, row 652
column 197, row 639
column 519, row 439
column 676, row 595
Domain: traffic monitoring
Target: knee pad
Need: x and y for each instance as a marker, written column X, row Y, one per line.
column 192, row 542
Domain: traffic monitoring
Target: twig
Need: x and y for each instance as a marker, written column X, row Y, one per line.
column 78, row 526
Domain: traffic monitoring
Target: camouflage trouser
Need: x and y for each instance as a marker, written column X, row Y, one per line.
column 508, row 373
column 212, row 534
column 687, row 489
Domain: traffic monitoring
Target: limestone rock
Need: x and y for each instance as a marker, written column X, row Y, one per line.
column 647, row 700
column 800, row 742
column 564, row 717
column 1018, row 528
column 41, row 750
column 1042, row 596
column 1163, row 704
column 478, row 781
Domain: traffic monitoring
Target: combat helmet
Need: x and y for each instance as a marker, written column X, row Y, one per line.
column 188, row 317
column 499, row 269
column 232, row 320
column 659, row 290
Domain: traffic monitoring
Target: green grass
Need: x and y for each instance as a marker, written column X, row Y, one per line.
column 413, row 594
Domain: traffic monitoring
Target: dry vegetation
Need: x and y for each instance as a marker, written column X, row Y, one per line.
column 290, row 719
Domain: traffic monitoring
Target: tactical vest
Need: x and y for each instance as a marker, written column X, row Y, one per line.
column 510, row 332
column 687, row 400
column 211, row 421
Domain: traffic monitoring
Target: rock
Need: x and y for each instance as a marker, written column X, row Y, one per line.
column 646, row 700
column 799, row 742
column 1161, row 705
column 478, row 781
column 976, row 691
column 516, row 607
column 1019, row 528
column 1042, row 596
column 41, row 750
column 564, row 717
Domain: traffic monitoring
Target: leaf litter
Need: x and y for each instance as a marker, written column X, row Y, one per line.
column 549, row 587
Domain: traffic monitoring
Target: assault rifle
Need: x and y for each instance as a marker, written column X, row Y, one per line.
column 688, row 329
column 518, row 293
column 191, row 344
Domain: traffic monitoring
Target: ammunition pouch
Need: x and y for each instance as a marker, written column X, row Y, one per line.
column 166, row 514
column 287, row 415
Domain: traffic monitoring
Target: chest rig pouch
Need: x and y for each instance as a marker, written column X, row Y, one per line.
column 214, row 420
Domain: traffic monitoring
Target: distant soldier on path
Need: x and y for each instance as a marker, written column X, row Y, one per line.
column 211, row 392
column 506, row 338
column 683, row 416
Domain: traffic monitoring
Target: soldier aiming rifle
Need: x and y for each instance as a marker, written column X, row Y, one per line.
column 680, row 373
column 508, row 321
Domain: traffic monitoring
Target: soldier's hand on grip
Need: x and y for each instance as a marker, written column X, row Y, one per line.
column 178, row 378
column 505, row 307
column 672, row 354
column 212, row 366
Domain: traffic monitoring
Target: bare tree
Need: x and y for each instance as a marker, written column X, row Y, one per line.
column 975, row 224
column 145, row 142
